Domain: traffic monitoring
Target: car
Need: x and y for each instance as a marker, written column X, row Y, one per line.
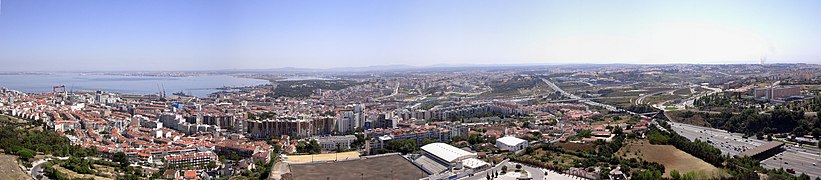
column 785, row 162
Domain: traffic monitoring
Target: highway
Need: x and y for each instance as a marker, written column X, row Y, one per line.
column 728, row 143
column 802, row 160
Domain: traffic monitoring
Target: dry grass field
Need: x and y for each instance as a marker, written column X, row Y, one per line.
column 577, row 146
column 696, row 119
column 670, row 157
column 9, row 168
column 74, row 175
column 323, row 157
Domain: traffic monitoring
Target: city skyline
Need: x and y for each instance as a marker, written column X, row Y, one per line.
column 216, row 35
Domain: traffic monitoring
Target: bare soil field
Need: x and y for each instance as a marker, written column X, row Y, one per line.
column 670, row 157
column 386, row 167
column 9, row 168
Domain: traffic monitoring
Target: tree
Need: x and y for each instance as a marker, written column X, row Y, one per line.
column 618, row 131
column 518, row 166
column 804, row 177
column 315, row 148
column 121, row 158
column 427, row 141
column 675, row 175
column 504, row 169
column 25, row 153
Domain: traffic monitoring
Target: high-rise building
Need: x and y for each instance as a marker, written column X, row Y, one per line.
column 776, row 92
column 297, row 126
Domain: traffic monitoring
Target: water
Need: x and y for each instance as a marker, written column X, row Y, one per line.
column 194, row 85
column 302, row 78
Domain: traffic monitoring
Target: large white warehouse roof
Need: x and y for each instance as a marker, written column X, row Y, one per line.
column 447, row 152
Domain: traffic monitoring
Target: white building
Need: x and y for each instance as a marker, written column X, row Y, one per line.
column 511, row 143
column 331, row 143
column 440, row 157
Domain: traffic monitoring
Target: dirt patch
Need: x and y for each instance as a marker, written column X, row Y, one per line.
column 670, row 157
column 9, row 168
column 386, row 167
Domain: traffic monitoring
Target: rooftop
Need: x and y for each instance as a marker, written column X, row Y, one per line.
column 510, row 140
column 446, row 152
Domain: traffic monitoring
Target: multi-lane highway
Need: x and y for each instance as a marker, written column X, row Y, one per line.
column 801, row 160
column 728, row 143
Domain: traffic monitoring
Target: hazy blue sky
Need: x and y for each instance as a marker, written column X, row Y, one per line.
column 198, row 34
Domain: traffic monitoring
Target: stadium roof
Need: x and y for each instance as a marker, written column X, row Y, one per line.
column 447, row 152
column 510, row 140
column 760, row 149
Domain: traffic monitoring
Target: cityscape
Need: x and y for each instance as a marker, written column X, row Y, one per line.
column 157, row 94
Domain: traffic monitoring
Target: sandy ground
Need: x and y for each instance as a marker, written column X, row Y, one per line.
column 9, row 168
column 323, row 157
column 670, row 157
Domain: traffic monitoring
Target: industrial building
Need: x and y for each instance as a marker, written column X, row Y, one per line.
column 441, row 158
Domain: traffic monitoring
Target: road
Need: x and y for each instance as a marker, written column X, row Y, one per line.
column 799, row 159
column 802, row 160
column 728, row 143
column 37, row 166
column 640, row 100
column 571, row 96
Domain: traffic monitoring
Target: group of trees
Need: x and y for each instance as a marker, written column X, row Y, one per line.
column 642, row 108
column 604, row 155
column 310, row 147
column 27, row 143
column 305, row 88
column 724, row 100
column 779, row 120
column 78, row 165
column 403, row 146
column 813, row 105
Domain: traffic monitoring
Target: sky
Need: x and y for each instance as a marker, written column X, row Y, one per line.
column 89, row 35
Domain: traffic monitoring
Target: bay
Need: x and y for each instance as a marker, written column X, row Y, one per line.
column 200, row 86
